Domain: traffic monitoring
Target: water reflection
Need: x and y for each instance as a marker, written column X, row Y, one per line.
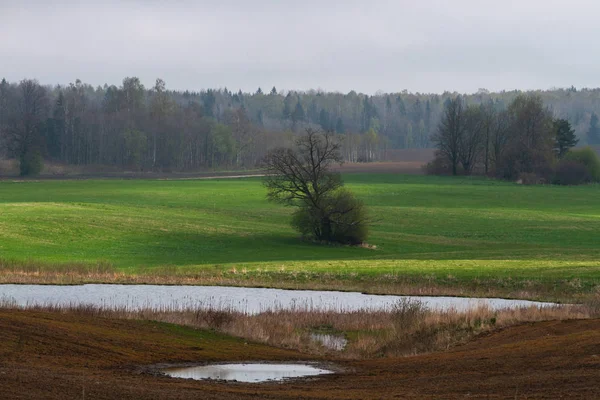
column 330, row 341
column 249, row 300
column 246, row 372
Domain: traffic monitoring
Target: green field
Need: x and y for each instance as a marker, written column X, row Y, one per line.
column 448, row 232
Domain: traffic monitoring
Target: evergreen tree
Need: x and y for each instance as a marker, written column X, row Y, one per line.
column 208, row 100
column 313, row 112
column 298, row 115
column 565, row 137
column 369, row 112
column 339, row 126
column 273, row 91
column 287, row 107
column 593, row 135
column 417, row 112
column 401, row 105
column 324, row 120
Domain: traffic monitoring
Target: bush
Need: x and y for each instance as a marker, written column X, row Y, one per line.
column 439, row 166
column 342, row 219
column 588, row 157
column 30, row 163
column 408, row 314
column 571, row 172
column 530, row 178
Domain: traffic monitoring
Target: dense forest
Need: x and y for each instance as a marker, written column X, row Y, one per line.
column 132, row 126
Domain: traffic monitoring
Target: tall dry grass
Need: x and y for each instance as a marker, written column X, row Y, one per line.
column 407, row 329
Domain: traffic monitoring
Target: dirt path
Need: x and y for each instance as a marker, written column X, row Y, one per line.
column 58, row 356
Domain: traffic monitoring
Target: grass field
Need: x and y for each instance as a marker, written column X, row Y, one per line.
column 432, row 234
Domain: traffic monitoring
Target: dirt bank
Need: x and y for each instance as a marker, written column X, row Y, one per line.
column 57, row 356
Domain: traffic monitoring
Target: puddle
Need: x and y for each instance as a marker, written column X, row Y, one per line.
column 332, row 342
column 246, row 300
column 253, row 373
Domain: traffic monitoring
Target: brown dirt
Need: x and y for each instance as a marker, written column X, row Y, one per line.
column 407, row 155
column 387, row 167
column 56, row 356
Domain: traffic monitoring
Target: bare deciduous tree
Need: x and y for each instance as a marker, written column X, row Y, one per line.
column 448, row 137
column 302, row 177
column 472, row 139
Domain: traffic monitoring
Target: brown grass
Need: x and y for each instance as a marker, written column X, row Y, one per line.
column 407, row 329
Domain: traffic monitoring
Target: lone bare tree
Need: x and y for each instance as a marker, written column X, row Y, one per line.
column 302, row 177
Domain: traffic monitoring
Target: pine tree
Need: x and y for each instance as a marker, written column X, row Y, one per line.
column 287, row 107
column 298, row 115
column 339, row 126
column 593, row 135
column 324, row 120
column 565, row 137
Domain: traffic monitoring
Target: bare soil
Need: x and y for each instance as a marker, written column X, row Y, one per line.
column 47, row 355
column 400, row 161
column 387, row 167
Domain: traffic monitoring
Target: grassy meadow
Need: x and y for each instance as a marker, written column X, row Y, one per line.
column 430, row 235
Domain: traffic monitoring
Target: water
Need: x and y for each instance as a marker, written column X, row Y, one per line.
column 252, row 373
column 332, row 342
column 248, row 300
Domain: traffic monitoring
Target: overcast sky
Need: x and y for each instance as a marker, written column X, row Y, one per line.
column 336, row 45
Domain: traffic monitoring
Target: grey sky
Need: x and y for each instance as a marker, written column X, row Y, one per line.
column 369, row 45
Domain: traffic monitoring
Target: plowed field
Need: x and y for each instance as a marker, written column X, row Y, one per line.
column 68, row 356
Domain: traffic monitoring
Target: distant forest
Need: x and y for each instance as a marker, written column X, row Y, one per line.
column 153, row 128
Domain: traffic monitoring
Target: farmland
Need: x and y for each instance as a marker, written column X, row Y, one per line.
column 435, row 235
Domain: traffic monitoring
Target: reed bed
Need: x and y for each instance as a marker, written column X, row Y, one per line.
column 408, row 328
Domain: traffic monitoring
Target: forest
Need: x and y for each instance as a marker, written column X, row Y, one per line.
column 154, row 128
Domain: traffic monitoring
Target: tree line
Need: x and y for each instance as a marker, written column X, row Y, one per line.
column 522, row 141
column 159, row 129
column 127, row 126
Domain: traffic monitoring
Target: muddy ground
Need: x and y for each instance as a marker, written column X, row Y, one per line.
column 67, row 356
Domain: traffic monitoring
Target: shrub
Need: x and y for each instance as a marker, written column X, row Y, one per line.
column 342, row 219
column 588, row 157
column 440, row 166
column 571, row 172
column 529, row 178
column 408, row 314
column 30, row 163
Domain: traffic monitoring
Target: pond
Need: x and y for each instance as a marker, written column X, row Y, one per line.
column 248, row 300
column 252, row 372
column 330, row 341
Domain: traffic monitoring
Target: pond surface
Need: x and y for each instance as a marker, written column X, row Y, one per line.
column 330, row 341
column 248, row 300
column 253, row 373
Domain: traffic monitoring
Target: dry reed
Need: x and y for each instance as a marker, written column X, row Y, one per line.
column 406, row 329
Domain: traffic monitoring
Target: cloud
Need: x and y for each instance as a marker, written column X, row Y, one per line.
column 427, row 46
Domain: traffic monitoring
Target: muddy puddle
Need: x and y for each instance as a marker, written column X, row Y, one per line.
column 252, row 373
column 247, row 300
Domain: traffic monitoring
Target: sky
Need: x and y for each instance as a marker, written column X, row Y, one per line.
column 427, row 46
